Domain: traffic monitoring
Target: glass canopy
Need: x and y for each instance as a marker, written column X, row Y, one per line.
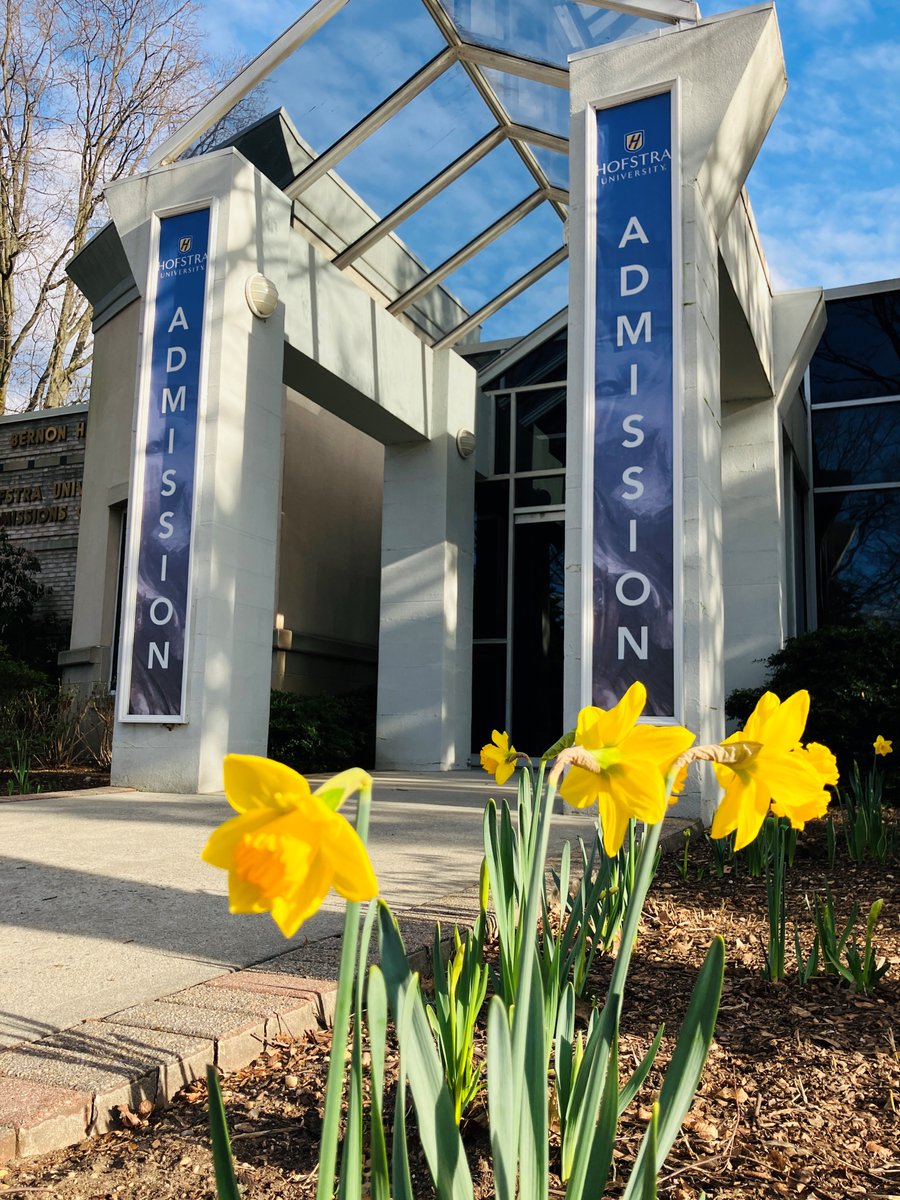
column 449, row 121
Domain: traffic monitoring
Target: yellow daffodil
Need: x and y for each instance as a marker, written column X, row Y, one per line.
column 633, row 761
column 824, row 762
column 779, row 772
column 678, row 785
column 499, row 758
column 883, row 745
column 288, row 845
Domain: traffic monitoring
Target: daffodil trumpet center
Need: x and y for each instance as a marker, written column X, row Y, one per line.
column 268, row 862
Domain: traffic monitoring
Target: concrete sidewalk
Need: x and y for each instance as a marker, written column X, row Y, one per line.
column 121, row 968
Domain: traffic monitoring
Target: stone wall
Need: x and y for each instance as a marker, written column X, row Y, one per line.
column 41, row 468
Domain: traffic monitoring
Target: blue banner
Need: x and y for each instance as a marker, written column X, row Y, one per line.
column 634, row 497
column 165, row 521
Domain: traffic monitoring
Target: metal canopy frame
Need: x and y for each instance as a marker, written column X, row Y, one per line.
column 476, row 60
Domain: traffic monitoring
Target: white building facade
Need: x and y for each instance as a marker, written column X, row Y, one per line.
column 297, row 428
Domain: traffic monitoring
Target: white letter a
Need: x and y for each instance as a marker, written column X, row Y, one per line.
column 179, row 321
column 634, row 232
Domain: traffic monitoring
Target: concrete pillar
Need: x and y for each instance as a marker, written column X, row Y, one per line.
column 238, row 474
column 425, row 639
column 730, row 81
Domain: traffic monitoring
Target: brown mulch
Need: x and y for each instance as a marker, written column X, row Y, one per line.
column 54, row 779
column 800, row 1096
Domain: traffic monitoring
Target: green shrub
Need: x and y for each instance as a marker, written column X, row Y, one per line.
column 323, row 733
column 19, row 589
column 38, row 638
column 852, row 673
column 16, row 676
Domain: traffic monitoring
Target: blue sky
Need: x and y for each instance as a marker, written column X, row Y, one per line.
column 826, row 186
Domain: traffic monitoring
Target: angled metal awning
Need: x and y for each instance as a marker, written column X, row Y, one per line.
column 449, row 119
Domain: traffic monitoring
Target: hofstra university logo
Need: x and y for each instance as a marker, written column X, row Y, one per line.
column 184, row 263
column 638, row 159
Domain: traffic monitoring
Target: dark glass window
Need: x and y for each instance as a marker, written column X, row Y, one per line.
column 857, row 445
column 537, row 667
column 798, row 547
column 858, row 554
column 541, row 491
column 859, row 355
column 120, row 515
column 546, row 364
column 488, row 692
column 502, row 423
column 479, row 359
column 541, row 430
column 491, row 558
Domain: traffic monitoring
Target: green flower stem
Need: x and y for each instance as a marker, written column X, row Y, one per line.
column 529, row 917
column 336, row 1063
column 775, row 836
column 528, row 920
column 643, row 877
column 640, row 885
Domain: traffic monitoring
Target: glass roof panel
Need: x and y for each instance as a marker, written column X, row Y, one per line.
column 541, row 29
column 417, row 142
column 507, row 259
column 530, row 309
column 363, row 54
column 469, row 205
column 368, row 49
column 537, row 105
column 555, row 166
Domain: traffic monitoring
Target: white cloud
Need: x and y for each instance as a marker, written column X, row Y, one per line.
column 826, row 13
column 831, row 239
column 826, row 187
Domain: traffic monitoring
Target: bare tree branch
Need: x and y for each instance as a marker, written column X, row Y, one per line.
column 87, row 89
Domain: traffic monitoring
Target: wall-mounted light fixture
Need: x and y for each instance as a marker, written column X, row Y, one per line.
column 261, row 295
column 465, row 443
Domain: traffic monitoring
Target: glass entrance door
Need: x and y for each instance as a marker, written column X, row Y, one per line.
column 537, row 627
column 517, row 658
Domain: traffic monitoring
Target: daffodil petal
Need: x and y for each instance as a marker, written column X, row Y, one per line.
column 289, row 912
column 754, row 730
column 660, row 743
column 754, row 807
column 823, row 762
column 348, row 861
column 799, row 814
column 503, row 771
column 609, row 728
column 678, row 785
column 785, row 730
column 613, row 822
column 585, row 725
column 490, row 758
column 219, row 849
column 253, row 783
column 725, row 818
column 638, row 789
column 244, row 897
column 580, row 788
column 790, row 778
